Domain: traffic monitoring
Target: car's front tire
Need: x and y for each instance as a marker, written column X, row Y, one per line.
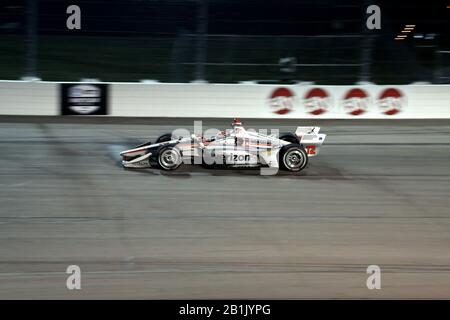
column 293, row 157
column 164, row 138
column 169, row 158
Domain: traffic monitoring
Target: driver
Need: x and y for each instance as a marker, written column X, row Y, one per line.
column 236, row 124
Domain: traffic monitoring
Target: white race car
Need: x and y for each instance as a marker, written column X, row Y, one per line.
column 237, row 147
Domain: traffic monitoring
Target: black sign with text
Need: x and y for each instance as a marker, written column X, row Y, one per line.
column 84, row 99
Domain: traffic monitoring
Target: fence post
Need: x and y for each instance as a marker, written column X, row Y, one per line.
column 202, row 29
column 366, row 48
column 31, row 39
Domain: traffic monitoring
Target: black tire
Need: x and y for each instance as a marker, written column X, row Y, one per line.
column 164, row 138
column 289, row 137
column 293, row 157
column 169, row 158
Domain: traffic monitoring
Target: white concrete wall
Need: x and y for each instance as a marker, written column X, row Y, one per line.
column 237, row 100
column 254, row 101
column 29, row 98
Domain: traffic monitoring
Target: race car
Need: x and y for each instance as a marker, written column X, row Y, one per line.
column 237, row 147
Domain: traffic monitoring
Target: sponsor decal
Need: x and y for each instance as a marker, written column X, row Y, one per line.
column 391, row 101
column 282, row 101
column 317, row 101
column 356, row 101
column 84, row 99
column 238, row 157
column 311, row 150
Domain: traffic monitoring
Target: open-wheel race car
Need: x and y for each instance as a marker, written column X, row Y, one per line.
column 236, row 147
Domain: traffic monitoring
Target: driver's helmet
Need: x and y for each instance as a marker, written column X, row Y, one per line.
column 236, row 122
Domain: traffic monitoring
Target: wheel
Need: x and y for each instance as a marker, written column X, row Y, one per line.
column 164, row 138
column 169, row 158
column 289, row 137
column 293, row 157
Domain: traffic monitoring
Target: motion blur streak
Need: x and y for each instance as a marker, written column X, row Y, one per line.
column 378, row 194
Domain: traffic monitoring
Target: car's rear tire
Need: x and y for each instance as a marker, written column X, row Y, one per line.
column 293, row 157
column 164, row 138
column 289, row 137
column 169, row 158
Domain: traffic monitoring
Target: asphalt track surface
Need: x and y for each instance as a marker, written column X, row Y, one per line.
column 378, row 194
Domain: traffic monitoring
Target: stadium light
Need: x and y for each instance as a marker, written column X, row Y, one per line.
column 407, row 29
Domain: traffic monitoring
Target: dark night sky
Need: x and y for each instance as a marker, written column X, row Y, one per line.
column 308, row 17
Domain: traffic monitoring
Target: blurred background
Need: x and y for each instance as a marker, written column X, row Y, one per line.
column 225, row 41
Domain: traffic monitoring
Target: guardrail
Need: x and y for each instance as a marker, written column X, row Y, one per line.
column 202, row 100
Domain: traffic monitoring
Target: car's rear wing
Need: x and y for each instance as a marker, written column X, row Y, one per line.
column 311, row 139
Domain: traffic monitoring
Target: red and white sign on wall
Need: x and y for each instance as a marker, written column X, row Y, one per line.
column 282, row 101
column 356, row 102
column 317, row 101
column 391, row 101
column 352, row 101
